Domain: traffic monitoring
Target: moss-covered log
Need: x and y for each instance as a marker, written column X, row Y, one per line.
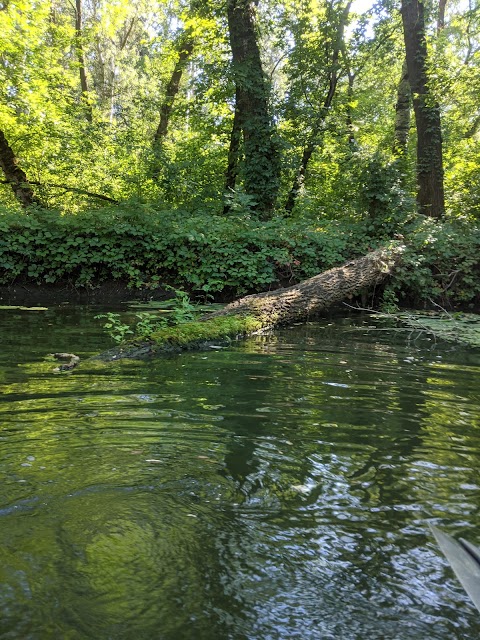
column 255, row 313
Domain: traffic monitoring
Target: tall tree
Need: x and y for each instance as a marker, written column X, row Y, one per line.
column 402, row 113
column 430, row 193
column 260, row 168
column 81, row 60
column 185, row 46
column 333, row 46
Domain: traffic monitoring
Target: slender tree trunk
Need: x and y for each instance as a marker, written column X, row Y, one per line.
column 15, row 176
column 261, row 159
column 473, row 129
column 314, row 139
column 233, row 156
column 441, row 15
column 301, row 173
column 349, row 118
column 185, row 49
column 111, row 93
column 81, row 60
column 430, row 194
column 402, row 114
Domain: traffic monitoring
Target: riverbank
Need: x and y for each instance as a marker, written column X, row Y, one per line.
column 112, row 255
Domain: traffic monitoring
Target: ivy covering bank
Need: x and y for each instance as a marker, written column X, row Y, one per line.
column 229, row 256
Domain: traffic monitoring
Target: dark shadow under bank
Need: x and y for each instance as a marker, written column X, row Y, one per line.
column 106, row 293
column 114, row 292
column 110, row 292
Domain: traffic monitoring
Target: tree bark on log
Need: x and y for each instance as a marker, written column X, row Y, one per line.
column 310, row 297
column 255, row 313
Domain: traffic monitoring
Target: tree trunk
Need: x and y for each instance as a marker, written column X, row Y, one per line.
column 352, row 143
column 430, row 194
column 301, row 173
column 441, row 16
column 309, row 298
column 254, row 313
column 233, row 157
column 313, row 142
column 15, row 176
column 81, row 61
column 472, row 129
column 261, row 159
column 402, row 114
column 185, row 49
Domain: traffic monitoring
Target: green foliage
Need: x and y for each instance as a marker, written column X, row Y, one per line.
column 114, row 326
column 239, row 203
column 202, row 253
column 182, row 308
column 441, row 263
column 129, row 52
column 212, row 255
column 389, row 301
column 383, row 195
column 145, row 324
column 359, row 186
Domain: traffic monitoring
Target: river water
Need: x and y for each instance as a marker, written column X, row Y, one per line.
column 278, row 489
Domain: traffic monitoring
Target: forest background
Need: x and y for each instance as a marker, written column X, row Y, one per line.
column 231, row 146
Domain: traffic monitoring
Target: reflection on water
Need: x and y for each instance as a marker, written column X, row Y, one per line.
column 278, row 489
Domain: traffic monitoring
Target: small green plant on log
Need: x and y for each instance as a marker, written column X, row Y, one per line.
column 146, row 324
column 183, row 310
column 114, row 326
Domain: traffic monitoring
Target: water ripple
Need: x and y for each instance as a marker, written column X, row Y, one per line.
column 277, row 489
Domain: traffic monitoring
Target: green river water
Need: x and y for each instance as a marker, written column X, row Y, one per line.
column 278, row 489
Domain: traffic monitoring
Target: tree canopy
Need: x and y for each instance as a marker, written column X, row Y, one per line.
column 298, row 107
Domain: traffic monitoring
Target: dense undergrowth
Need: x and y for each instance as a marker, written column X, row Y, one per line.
column 225, row 257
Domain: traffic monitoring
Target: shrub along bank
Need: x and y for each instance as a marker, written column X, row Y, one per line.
column 229, row 256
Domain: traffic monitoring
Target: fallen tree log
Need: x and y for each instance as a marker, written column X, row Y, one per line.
column 312, row 296
column 258, row 312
